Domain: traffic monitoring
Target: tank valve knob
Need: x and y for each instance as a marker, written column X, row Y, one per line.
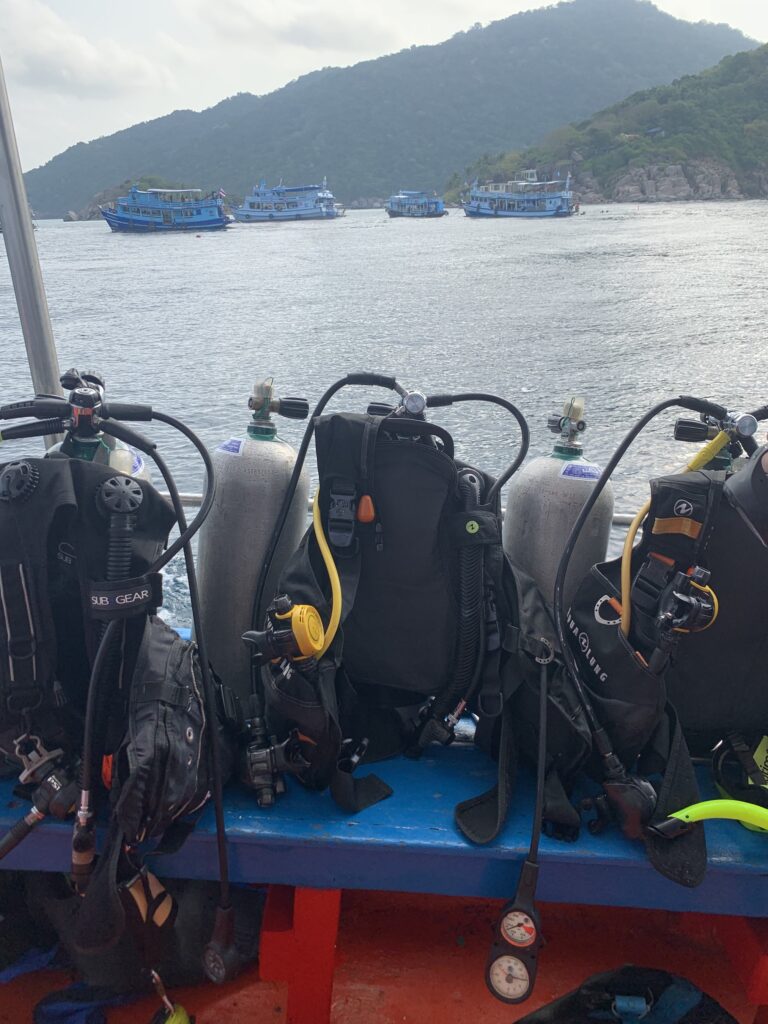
column 293, row 408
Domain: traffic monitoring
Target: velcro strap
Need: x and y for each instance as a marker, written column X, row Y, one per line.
column 687, row 527
column 352, row 794
column 475, row 527
column 650, row 582
column 120, row 598
column 482, row 817
column 167, row 692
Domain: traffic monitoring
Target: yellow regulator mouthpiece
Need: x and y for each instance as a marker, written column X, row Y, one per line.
column 307, row 628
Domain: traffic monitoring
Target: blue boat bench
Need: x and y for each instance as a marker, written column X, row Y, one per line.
column 307, row 851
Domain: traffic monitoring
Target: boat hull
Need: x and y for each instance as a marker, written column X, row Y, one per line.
column 400, row 213
column 146, row 227
column 508, row 213
column 259, row 217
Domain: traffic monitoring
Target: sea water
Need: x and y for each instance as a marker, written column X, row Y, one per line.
column 625, row 305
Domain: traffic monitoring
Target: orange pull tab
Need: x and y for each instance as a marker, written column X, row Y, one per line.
column 366, row 513
column 106, row 770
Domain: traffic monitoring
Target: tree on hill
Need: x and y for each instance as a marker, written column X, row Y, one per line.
column 404, row 120
column 718, row 115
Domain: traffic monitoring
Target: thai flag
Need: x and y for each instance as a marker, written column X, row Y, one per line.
column 222, row 194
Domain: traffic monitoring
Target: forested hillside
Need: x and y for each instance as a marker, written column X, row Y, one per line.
column 405, row 120
column 704, row 136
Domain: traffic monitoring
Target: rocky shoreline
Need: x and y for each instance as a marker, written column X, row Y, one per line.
column 694, row 180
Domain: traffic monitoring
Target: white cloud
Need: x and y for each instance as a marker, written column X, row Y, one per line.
column 301, row 24
column 45, row 53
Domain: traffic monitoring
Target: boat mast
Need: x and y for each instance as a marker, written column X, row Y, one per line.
column 23, row 259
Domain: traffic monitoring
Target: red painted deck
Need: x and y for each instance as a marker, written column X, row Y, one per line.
column 410, row 959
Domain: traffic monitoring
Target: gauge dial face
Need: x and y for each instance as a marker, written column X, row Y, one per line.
column 214, row 966
column 414, row 403
column 509, row 977
column 518, row 928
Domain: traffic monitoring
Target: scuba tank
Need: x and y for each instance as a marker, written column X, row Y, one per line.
column 92, row 445
column 543, row 502
column 252, row 475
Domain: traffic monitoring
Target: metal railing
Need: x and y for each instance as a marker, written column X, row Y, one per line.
column 191, row 500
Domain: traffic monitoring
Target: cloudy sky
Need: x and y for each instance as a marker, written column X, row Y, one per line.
column 79, row 69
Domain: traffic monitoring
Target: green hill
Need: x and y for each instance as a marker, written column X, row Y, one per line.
column 406, row 119
column 704, row 136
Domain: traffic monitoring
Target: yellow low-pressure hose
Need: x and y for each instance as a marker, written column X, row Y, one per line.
column 333, row 575
column 701, row 458
column 734, row 810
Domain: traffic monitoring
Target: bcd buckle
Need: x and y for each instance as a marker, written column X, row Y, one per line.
column 351, row 754
column 341, row 515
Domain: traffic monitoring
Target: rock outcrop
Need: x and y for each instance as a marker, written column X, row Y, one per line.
column 704, row 179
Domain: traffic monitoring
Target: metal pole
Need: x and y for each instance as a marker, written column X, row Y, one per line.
column 23, row 260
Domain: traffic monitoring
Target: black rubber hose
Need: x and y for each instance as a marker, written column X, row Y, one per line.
column 90, row 704
column 470, row 607
column 84, row 837
column 435, row 401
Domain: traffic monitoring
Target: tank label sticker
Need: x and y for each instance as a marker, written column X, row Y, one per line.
column 581, row 470
column 234, row 446
column 138, row 463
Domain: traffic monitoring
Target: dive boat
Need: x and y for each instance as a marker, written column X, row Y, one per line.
column 527, row 197
column 415, row 204
column 283, row 202
column 166, row 209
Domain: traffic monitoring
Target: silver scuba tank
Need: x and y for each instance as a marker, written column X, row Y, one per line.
column 252, row 475
column 544, row 500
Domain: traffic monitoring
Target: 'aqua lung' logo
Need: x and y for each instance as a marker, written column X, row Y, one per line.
column 683, row 507
column 585, row 645
column 601, row 611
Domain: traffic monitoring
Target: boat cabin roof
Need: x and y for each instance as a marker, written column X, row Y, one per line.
column 173, row 191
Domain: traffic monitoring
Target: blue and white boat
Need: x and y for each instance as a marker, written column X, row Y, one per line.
column 166, row 209
column 527, row 197
column 415, row 204
column 284, row 202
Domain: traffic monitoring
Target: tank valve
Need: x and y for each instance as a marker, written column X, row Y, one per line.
column 571, row 423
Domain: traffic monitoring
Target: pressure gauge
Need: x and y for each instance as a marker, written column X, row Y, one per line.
column 414, row 403
column 745, row 425
column 509, row 979
column 518, row 928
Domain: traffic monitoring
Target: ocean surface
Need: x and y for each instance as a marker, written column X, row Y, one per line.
column 625, row 305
